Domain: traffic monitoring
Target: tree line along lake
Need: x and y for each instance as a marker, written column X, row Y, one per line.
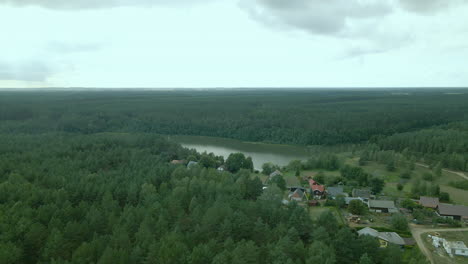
column 260, row 152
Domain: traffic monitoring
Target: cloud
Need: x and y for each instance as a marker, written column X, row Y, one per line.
column 94, row 4
column 429, row 6
column 330, row 17
column 34, row 71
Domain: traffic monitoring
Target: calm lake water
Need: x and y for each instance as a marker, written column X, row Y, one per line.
column 260, row 153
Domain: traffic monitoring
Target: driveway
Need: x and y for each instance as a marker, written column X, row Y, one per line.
column 417, row 231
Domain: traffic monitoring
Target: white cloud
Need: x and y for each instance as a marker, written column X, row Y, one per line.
column 429, row 6
column 319, row 43
column 33, row 71
column 95, row 4
column 316, row 16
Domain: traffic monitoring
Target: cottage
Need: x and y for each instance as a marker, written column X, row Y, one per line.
column 317, row 190
column 457, row 212
column 334, row 192
column 381, row 206
column 298, row 195
column 429, row 202
column 384, row 237
column 363, row 193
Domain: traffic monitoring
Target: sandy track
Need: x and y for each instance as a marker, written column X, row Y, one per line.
column 461, row 174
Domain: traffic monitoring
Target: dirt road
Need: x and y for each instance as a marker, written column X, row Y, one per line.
column 417, row 231
column 461, row 174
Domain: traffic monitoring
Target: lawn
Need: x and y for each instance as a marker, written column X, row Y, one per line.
column 315, row 212
column 291, row 179
column 378, row 220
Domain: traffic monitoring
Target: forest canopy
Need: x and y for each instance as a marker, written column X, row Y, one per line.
column 116, row 198
column 304, row 117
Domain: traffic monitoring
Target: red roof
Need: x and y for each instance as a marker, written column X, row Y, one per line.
column 320, row 188
column 312, row 182
column 315, row 187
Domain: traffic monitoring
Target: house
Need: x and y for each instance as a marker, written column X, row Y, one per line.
column 384, row 237
column 457, row 248
column 334, row 192
column 178, row 162
column 457, row 212
column 429, row 202
column 363, row 193
column 191, row 164
column 382, row 206
column 298, row 195
column 316, row 189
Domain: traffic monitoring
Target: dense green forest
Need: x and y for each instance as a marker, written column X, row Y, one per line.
column 115, row 198
column 305, row 117
column 430, row 125
column 85, row 177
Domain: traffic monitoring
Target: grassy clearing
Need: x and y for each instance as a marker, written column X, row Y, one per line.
column 315, row 212
column 291, row 179
column 458, row 196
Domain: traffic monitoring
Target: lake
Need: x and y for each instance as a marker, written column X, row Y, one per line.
column 260, row 152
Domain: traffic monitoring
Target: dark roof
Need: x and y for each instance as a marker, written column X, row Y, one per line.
column 431, row 202
column 381, row 204
column 453, row 210
column 361, row 193
column 335, row 191
column 297, row 193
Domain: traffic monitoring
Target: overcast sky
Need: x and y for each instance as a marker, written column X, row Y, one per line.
column 233, row 43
